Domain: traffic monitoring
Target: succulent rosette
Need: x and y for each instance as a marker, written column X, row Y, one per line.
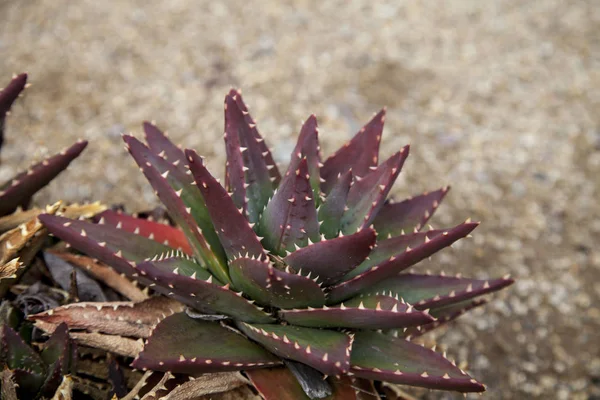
column 305, row 267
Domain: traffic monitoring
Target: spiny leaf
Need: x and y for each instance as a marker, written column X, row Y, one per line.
column 331, row 211
column 117, row 248
column 179, row 211
column 394, row 255
column 444, row 315
column 250, row 169
column 326, row 351
column 165, row 234
column 359, row 154
column 408, row 215
column 200, row 291
column 368, row 312
column 19, row 190
column 331, row 259
column 271, row 286
column 290, row 218
column 434, row 291
column 308, row 147
column 383, row 357
column 234, row 231
column 16, row 354
column 8, row 95
column 121, row 318
column 185, row 345
column 160, row 144
column 367, row 194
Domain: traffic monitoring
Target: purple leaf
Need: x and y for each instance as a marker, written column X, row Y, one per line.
column 250, row 169
column 19, row 190
column 184, row 345
column 394, row 255
column 8, row 95
column 331, row 259
column 366, row 312
column 187, row 282
column 331, row 211
column 274, row 287
column 408, row 215
column 382, row 357
column 160, row 144
column 179, row 211
column 234, row 231
column 325, row 350
column 290, row 219
column 308, row 147
column 359, row 154
column 367, row 194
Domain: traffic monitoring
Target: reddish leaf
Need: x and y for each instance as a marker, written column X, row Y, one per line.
column 359, row 154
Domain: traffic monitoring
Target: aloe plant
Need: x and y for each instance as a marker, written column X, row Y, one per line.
column 305, row 269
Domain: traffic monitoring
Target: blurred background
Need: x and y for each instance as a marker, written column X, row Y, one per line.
column 499, row 99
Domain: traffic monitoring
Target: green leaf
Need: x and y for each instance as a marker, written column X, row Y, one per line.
column 181, row 344
column 274, row 287
column 324, row 350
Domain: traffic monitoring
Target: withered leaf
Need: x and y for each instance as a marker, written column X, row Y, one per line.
column 116, row 318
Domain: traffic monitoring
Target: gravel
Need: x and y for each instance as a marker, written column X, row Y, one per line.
column 499, row 99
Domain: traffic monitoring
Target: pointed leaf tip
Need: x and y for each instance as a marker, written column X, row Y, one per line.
column 359, row 154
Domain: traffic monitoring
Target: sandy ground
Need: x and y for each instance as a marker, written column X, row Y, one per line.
column 499, row 99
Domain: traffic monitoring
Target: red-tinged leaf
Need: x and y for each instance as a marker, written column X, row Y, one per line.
column 382, row 357
column 122, row 318
column 408, row 215
column 181, row 344
column 19, row 190
column 290, row 218
column 160, row 144
column 443, row 316
column 117, row 248
column 359, row 154
column 250, row 168
column 394, row 255
column 331, row 259
column 367, row 312
column 184, row 187
column 434, row 291
column 8, row 95
column 165, row 234
column 367, row 195
column 308, row 147
column 274, row 287
column 234, row 231
column 331, row 211
column 324, row 350
column 198, row 289
column 179, row 211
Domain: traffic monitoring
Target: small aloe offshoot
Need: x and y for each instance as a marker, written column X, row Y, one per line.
column 287, row 274
column 17, row 191
column 28, row 374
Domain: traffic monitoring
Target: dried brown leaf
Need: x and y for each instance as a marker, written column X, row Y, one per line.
column 115, row 318
column 207, row 384
column 9, row 387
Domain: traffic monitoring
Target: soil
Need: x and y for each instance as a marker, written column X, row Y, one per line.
column 499, row 99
